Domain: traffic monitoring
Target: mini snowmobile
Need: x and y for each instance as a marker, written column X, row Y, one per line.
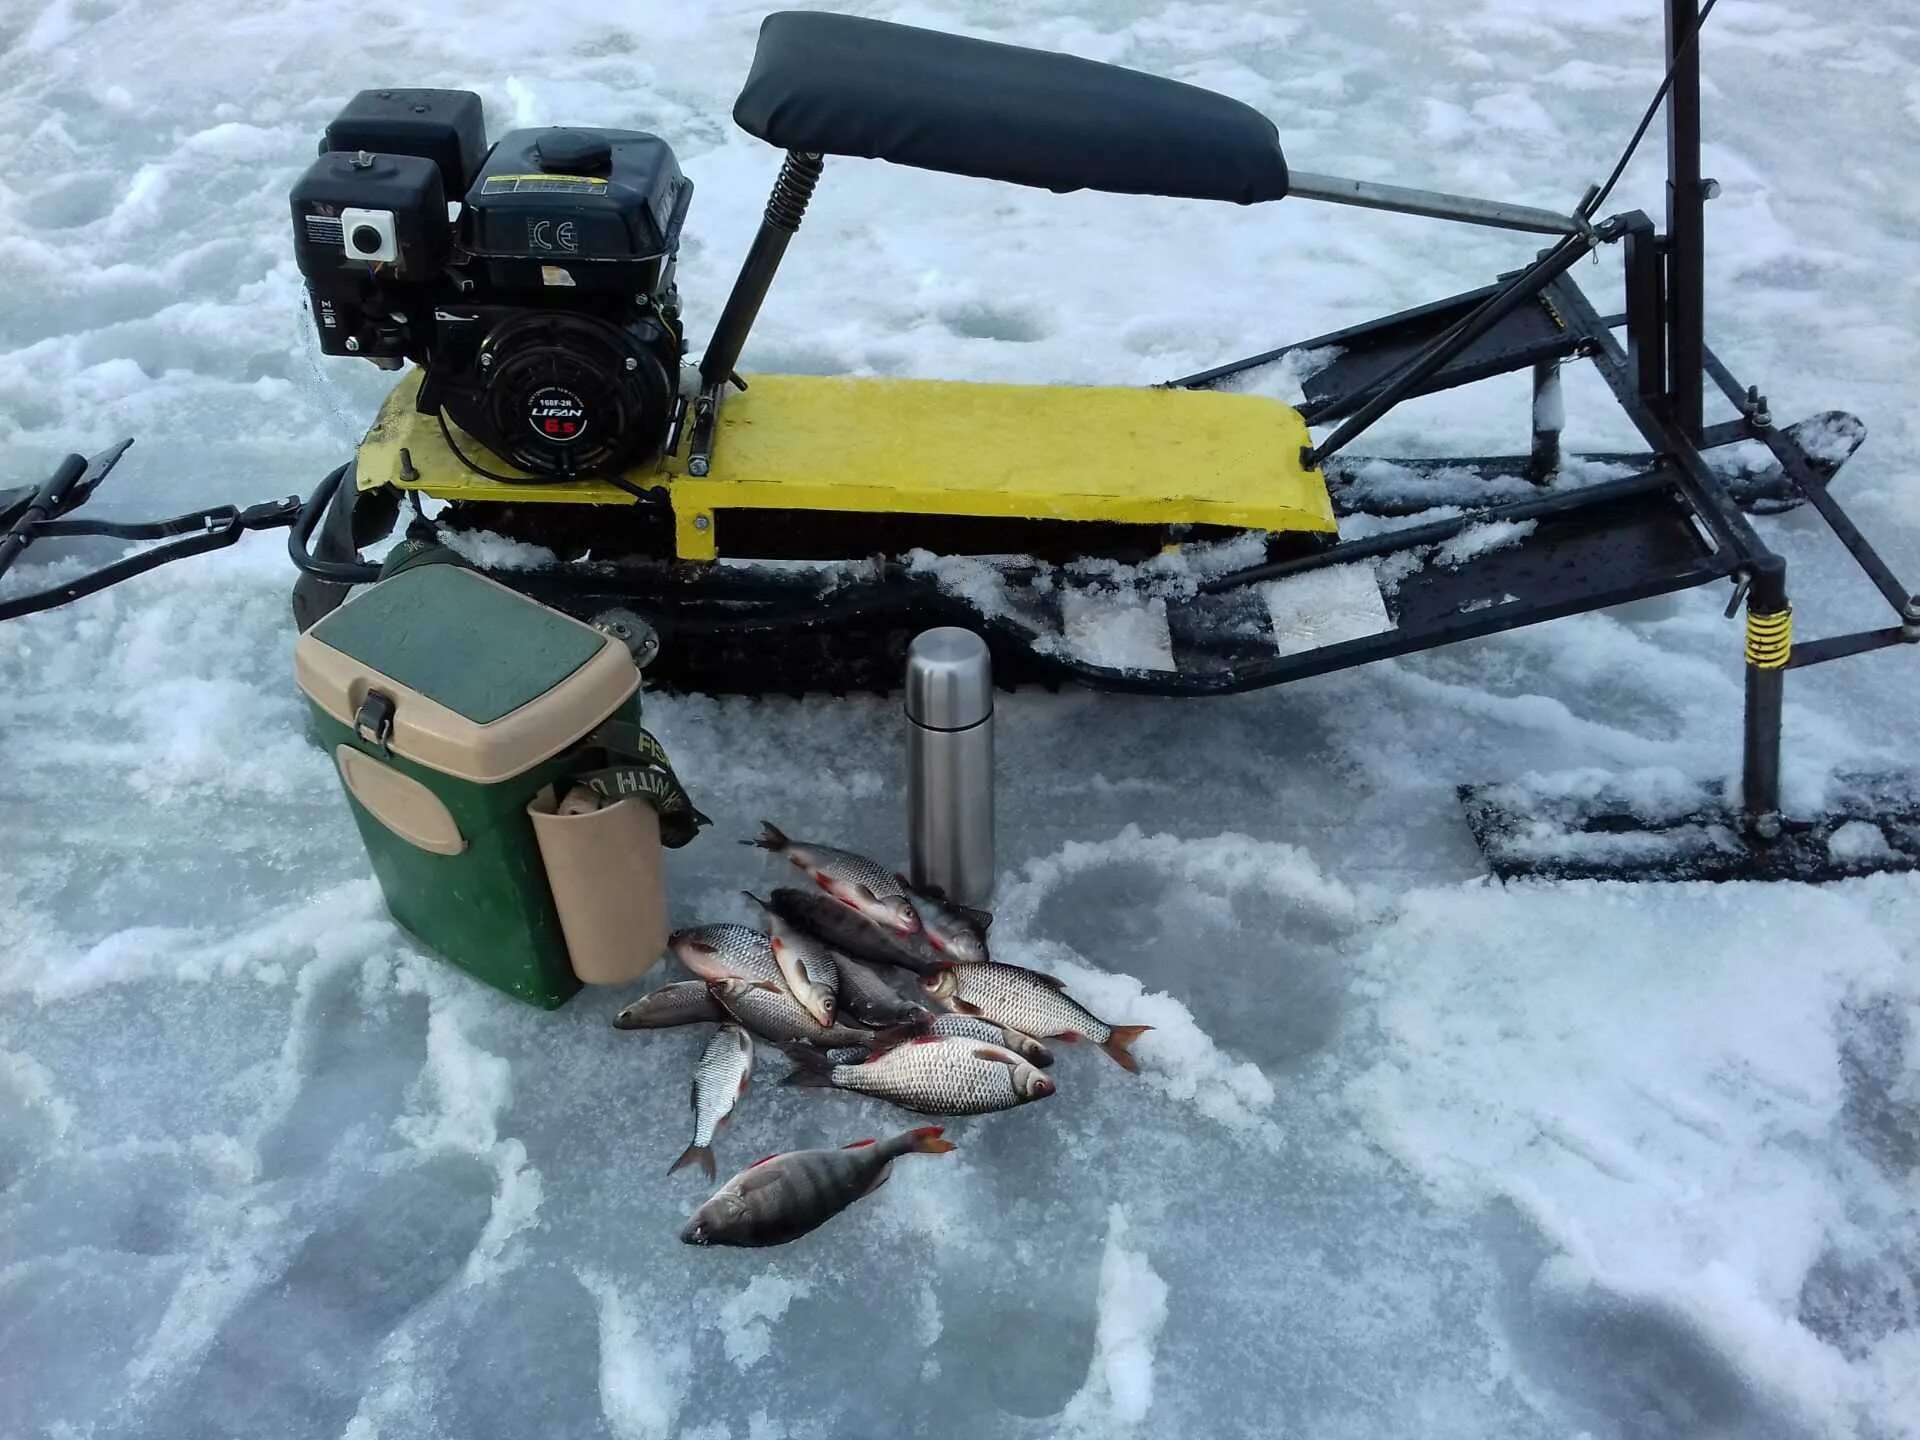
column 547, row 402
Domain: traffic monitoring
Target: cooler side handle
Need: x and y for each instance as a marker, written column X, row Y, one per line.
column 400, row 802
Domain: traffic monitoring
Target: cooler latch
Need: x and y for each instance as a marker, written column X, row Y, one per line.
column 373, row 721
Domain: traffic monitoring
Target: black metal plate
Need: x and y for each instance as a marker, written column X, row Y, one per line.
column 1614, row 552
column 1369, row 354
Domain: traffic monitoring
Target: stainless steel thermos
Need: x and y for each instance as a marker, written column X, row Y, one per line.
column 950, row 763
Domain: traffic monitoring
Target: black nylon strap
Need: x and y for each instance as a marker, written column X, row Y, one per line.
column 637, row 764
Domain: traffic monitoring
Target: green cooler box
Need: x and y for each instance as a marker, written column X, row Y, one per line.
column 459, row 714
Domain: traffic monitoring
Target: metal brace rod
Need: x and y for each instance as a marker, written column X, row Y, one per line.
column 1432, row 204
column 1516, row 292
column 1703, row 488
column 1793, row 464
column 1841, row 647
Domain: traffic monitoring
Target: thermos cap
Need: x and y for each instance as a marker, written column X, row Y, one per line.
column 949, row 679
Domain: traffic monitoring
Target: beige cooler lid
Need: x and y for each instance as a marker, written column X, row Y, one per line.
column 438, row 735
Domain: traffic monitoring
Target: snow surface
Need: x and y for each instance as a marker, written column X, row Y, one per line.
column 1411, row 1153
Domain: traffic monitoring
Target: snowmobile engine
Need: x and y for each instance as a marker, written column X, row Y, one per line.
column 541, row 304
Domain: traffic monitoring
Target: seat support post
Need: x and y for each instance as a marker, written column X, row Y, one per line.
column 786, row 207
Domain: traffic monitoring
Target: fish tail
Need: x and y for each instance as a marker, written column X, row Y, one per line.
column 1120, row 1045
column 771, row 837
column 701, row 1155
column 809, row 1069
column 927, row 1140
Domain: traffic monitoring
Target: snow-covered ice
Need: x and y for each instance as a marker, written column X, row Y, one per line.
column 1411, row 1154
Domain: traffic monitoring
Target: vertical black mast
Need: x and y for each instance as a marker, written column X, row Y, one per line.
column 1686, row 222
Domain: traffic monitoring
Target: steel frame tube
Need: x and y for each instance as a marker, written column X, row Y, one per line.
column 46, row 501
column 1686, row 224
column 1766, row 693
column 1431, row 204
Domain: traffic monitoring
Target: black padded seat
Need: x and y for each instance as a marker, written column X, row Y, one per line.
column 838, row 85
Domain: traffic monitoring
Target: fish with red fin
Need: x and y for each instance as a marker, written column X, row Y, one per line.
column 862, row 885
column 1032, row 1003
column 719, row 1080
column 721, row 952
column 807, row 965
column 783, row 1197
column 932, row 1076
column 684, row 1002
column 958, row 932
column 852, row 934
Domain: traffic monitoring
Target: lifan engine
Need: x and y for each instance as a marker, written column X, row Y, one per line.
column 540, row 302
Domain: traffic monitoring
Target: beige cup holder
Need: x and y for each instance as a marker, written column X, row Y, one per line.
column 609, row 885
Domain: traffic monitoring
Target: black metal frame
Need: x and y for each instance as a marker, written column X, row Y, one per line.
column 1678, row 520
column 1659, row 380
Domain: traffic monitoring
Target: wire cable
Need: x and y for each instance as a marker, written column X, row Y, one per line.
column 618, row 482
column 1598, row 197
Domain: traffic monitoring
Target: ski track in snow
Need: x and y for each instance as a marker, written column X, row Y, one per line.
column 1410, row 1153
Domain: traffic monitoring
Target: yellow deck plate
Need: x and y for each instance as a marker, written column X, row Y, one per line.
column 934, row 447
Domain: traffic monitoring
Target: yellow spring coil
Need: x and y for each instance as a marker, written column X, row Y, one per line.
column 1769, row 640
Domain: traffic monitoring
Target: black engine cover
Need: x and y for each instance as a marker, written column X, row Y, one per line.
column 557, row 393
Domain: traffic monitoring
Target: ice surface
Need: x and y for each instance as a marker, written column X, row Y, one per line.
column 1118, row 1394
column 1411, row 1154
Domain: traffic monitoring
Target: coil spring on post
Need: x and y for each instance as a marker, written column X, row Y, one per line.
column 1770, row 640
column 787, row 206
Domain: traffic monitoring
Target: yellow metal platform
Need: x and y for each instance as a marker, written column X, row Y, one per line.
column 930, row 447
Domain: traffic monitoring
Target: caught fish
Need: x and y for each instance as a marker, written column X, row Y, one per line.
column 866, row 997
column 719, row 952
column 852, row 934
column 765, row 1008
column 806, row 965
column 1032, row 1003
column 972, row 1027
column 782, row 1197
column 958, row 932
column 719, row 1080
column 934, row 1076
column 855, row 881
column 684, row 1002
column 943, row 1027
